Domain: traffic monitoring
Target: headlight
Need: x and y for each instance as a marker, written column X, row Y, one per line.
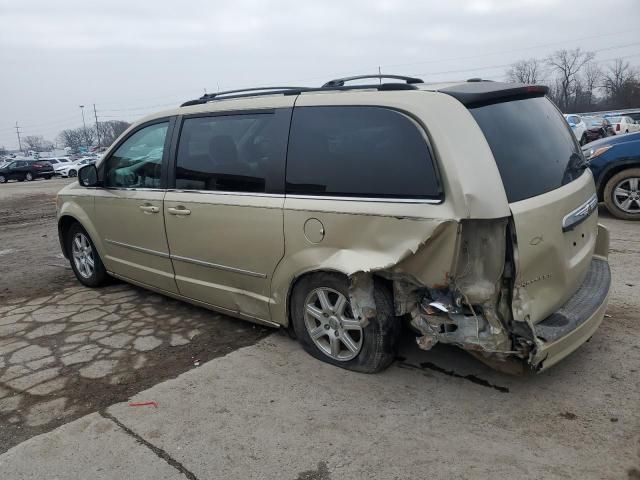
column 596, row 152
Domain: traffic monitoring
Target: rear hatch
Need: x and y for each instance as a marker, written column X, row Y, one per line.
column 551, row 196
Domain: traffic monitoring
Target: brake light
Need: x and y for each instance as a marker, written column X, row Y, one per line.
column 617, row 127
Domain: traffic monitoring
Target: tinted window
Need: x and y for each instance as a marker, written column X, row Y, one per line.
column 137, row 163
column 233, row 153
column 534, row 149
column 358, row 151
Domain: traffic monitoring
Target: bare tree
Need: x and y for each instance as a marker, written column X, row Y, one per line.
column 567, row 65
column 37, row 143
column 592, row 78
column 525, row 71
column 76, row 138
column 616, row 76
column 111, row 130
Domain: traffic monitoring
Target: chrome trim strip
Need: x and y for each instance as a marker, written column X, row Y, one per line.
column 580, row 214
column 218, row 266
column 138, row 249
column 367, row 199
column 216, row 192
column 311, row 197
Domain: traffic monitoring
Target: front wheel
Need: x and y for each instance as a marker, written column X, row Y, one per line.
column 28, row 176
column 84, row 258
column 622, row 194
column 72, row 173
column 583, row 139
column 325, row 324
column 3, row 179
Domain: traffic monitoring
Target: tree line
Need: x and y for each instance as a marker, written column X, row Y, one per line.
column 76, row 138
column 578, row 84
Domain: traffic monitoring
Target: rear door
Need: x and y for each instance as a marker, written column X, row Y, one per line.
column 224, row 218
column 551, row 196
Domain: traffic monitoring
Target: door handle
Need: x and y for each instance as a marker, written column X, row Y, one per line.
column 178, row 211
column 149, row 209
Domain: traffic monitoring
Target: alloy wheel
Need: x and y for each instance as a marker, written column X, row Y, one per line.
column 28, row 177
column 331, row 324
column 82, row 253
column 626, row 195
column 3, row 179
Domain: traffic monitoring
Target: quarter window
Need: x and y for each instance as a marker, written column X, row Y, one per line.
column 358, row 151
column 233, row 153
column 137, row 163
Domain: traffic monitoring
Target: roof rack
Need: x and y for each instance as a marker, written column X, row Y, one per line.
column 245, row 92
column 339, row 82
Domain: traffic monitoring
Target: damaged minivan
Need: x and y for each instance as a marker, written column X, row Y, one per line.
column 345, row 212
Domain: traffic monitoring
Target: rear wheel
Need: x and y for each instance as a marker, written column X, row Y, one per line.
column 325, row 325
column 622, row 194
column 3, row 179
column 48, row 177
column 73, row 173
column 84, row 258
column 28, row 176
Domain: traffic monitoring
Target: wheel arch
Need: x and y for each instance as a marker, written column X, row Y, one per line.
column 613, row 170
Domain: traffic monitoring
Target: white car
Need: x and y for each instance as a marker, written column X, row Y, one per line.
column 58, row 164
column 578, row 127
column 623, row 124
column 71, row 169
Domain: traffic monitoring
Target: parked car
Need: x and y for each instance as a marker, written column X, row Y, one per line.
column 71, row 169
column 598, row 127
column 624, row 124
column 615, row 163
column 578, row 127
column 25, row 170
column 328, row 211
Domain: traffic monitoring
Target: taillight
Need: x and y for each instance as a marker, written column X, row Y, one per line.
column 617, row 127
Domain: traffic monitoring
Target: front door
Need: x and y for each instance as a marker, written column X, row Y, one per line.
column 129, row 209
column 224, row 219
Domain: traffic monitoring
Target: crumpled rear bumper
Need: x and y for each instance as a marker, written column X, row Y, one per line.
column 575, row 322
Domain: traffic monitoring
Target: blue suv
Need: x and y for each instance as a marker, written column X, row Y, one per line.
column 615, row 164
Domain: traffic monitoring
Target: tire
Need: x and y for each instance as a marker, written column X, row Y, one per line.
column 3, row 179
column 583, row 139
column 615, row 202
column 72, row 173
column 28, row 176
column 89, row 277
column 48, row 177
column 376, row 343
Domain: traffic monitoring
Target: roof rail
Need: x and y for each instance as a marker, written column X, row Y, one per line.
column 339, row 82
column 246, row 92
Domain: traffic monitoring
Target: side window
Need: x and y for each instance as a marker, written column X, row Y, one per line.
column 358, row 151
column 233, row 153
column 137, row 163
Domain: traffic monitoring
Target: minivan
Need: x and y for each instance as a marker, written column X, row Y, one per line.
column 344, row 212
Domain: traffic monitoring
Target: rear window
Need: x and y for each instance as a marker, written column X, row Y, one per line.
column 358, row 151
column 534, row 148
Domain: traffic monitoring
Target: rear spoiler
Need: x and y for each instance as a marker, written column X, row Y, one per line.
column 476, row 93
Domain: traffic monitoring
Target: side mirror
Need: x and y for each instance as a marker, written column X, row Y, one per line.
column 88, row 176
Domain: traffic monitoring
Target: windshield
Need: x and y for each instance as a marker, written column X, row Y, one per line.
column 594, row 122
column 534, row 149
column 614, row 119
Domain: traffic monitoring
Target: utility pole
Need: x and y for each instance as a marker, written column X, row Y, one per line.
column 19, row 141
column 97, row 128
column 86, row 139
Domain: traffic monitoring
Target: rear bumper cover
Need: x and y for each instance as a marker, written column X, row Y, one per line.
column 576, row 321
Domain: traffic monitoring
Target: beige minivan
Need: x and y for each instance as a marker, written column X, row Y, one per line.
column 344, row 212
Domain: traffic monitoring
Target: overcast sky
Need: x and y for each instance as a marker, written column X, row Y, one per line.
column 131, row 57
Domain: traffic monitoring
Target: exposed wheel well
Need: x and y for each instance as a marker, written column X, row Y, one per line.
column 610, row 173
column 64, row 224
